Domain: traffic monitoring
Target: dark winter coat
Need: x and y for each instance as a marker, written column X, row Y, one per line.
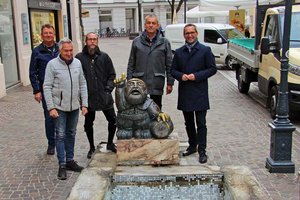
column 39, row 59
column 99, row 74
column 151, row 63
column 193, row 95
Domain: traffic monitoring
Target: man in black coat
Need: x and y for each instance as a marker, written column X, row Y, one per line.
column 100, row 74
column 192, row 65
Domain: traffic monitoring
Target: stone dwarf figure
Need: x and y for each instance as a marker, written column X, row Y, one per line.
column 138, row 116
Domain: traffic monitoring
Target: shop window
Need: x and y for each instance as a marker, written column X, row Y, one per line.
column 38, row 19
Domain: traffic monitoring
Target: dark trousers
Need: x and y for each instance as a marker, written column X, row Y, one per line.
column 196, row 137
column 157, row 99
column 49, row 124
column 110, row 116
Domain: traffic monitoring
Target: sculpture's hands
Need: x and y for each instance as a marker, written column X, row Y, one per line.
column 120, row 81
column 164, row 117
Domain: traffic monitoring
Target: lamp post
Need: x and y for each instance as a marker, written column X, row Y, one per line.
column 184, row 4
column 140, row 14
column 282, row 129
column 99, row 14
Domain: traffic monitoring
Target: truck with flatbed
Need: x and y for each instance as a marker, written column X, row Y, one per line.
column 259, row 59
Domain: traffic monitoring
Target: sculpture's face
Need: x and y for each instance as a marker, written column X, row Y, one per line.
column 135, row 91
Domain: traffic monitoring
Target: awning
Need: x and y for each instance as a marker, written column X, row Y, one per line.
column 213, row 8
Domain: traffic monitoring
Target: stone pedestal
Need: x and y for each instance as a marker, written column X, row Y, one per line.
column 148, row 152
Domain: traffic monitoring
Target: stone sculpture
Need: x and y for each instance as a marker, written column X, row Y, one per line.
column 138, row 116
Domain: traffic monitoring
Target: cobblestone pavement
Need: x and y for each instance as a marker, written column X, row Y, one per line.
column 238, row 134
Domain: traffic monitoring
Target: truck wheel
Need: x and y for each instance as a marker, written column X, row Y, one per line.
column 273, row 95
column 242, row 86
column 228, row 62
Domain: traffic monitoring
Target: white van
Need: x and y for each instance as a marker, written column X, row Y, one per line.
column 213, row 35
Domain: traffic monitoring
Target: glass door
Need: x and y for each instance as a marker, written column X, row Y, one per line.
column 7, row 44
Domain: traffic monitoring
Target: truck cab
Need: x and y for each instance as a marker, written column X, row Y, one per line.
column 259, row 59
column 271, row 54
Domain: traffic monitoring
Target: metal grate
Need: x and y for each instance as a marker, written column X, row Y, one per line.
column 167, row 187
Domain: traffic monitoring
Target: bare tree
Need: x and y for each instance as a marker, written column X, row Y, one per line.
column 172, row 4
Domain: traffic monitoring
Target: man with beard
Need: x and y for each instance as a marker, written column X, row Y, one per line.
column 100, row 74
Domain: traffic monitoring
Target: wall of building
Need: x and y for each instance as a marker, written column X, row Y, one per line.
column 118, row 9
column 23, row 50
column 118, row 18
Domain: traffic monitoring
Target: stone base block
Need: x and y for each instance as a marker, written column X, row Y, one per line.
column 148, row 152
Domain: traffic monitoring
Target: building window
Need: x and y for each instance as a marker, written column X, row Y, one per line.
column 148, row 11
column 169, row 16
column 105, row 19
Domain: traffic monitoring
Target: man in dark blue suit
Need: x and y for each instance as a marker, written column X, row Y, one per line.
column 192, row 65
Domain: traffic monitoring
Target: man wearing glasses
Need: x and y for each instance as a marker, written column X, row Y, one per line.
column 192, row 65
column 100, row 74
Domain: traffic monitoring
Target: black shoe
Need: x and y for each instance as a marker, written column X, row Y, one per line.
column 112, row 147
column 73, row 166
column 51, row 150
column 62, row 173
column 189, row 151
column 202, row 157
column 90, row 153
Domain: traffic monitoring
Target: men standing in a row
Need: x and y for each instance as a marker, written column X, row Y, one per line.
column 65, row 92
column 40, row 57
column 100, row 74
column 150, row 60
column 192, row 65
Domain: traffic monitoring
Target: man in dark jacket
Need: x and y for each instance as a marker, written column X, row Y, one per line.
column 40, row 57
column 100, row 74
column 192, row 65
column 150, row 60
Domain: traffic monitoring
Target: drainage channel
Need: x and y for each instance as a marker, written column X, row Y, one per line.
column 167, row 187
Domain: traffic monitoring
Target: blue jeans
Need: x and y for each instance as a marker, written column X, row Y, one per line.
column 49, row 125
column 65, row 128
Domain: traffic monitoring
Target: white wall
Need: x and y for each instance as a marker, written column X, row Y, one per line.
column 119, row 18
column 75, row 21
column 161, row 14
column 91, row 23
column 24, row 51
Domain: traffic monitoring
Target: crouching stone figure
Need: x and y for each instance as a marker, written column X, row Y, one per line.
column 138, row 116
